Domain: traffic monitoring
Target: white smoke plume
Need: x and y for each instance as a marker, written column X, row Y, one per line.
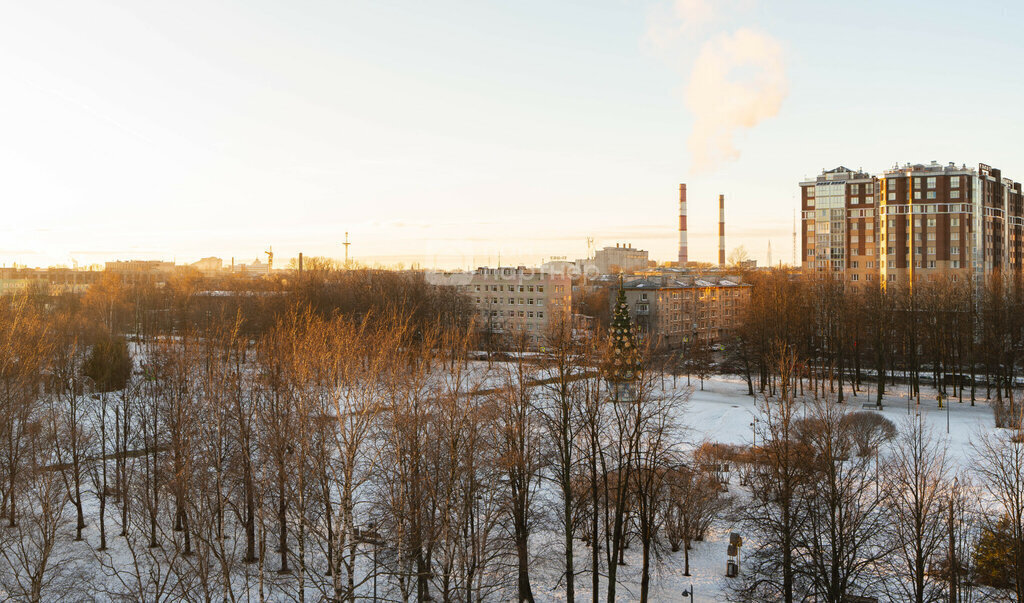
column 737, row 81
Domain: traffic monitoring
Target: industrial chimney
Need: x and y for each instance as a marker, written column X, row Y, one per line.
column 721, row 231
column 682, row 226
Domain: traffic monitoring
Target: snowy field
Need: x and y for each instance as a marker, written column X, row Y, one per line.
column 721, row 412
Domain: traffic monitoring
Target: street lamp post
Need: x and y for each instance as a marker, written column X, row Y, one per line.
column 753, row 431
column 688, row 592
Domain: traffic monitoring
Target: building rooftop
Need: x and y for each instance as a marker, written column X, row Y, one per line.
column 646, row 283
column 933, row 167
column 838, row 174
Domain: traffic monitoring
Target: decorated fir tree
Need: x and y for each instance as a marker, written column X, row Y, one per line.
column 622, row 366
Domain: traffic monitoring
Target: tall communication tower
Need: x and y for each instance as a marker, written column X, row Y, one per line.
column 346, row 244
column 794, row 237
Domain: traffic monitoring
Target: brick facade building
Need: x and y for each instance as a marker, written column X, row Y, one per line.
column 670, row 312
column 912, row 222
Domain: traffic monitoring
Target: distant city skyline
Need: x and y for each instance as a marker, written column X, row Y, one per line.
column 463, row 131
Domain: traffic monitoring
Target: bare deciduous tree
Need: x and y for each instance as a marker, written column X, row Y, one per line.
column 917, row 477
column 778, row 480
column 1000, row 468
column 33, row 570
column 519, row 456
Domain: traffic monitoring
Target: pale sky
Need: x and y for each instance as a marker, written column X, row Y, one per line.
column 451, row 132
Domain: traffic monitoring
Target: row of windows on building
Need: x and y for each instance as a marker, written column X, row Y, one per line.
column 871, row 277
column 955, row 194
column 688, row 314
column 674, row 315
column 929, row 182
column 855, row 264
column 512, row 313
column 643, row 306
column 929, row 222
column 855, row 238
column 920, row 251
column 918, row 263
column 702, row 326
column 930, row 236
column 523, row 301
column 838, row 253
column 854, row 189
column 928, row 195
column 838, row 202
column 703, row 296
column 521, row 288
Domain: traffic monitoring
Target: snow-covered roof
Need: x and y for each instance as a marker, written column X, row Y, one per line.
column 644, row 283
column 679, row 284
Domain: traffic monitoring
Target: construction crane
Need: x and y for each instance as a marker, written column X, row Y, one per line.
column 270, row 258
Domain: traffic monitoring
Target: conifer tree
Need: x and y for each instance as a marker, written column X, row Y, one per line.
column 622, row 367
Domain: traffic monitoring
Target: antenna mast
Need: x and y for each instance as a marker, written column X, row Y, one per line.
column 794, row 237
column 346, row 244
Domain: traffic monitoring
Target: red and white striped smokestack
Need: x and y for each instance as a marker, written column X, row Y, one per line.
column 721, row 231
column 682, row 226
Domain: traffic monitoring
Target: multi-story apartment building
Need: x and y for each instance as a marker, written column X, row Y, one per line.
column 839, row 223
column 912, row 222
column 508, row 299
column 670, row 312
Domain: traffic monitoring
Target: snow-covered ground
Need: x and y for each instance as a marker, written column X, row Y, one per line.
column 721, row 412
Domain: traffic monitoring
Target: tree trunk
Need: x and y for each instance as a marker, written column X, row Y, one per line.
column 645, row 579
column 282, row 520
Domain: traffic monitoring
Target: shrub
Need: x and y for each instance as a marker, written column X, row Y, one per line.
column 868, row 430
